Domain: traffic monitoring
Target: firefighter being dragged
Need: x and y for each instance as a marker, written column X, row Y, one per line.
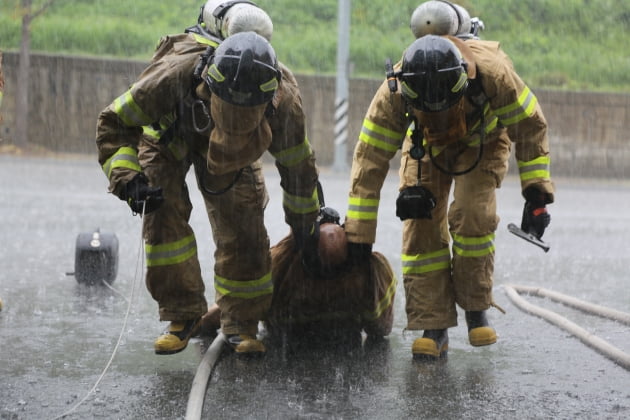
column 464, row 104
column 220, row 121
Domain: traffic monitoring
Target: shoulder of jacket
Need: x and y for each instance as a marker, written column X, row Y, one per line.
column 482, row 46
column 182, row 44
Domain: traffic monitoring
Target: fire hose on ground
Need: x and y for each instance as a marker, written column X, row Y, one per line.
column 200, row 381
column 611, row 352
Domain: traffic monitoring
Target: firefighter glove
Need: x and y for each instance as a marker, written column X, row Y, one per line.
column 306, row 240
column 140, row 196
column 359, row 254
column 535, row 219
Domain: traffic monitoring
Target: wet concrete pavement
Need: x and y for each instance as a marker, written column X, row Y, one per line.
column 57, row 336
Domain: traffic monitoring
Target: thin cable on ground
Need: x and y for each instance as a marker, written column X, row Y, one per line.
column 200, row 381
column 113, row 289
column 139, row 270
column 613, row 353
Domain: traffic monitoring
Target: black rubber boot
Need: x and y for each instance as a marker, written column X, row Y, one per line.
column 479, row 331
column 432, row 346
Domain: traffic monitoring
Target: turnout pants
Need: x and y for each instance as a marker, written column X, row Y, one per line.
column 449, row 259
column 242, row 268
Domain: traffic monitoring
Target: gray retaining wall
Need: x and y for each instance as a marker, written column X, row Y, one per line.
column 588, row 131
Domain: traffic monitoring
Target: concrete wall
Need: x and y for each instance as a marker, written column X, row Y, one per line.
column 588, row 131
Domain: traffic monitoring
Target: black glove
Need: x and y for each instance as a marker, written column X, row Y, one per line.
column 535, row 215
column 306, row 240
column 137, row 193
column 359, row 254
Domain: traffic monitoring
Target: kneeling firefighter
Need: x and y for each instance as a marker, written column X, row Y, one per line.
column 215, row 105
column 463, row 104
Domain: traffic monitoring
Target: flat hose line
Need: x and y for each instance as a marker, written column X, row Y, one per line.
column 200, row 381
column 611, row 352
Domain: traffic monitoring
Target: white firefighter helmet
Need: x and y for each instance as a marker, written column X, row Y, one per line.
column 440, row 17
column 224, row 18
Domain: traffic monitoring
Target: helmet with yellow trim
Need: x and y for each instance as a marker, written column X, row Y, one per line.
column 433, row 74
column 244, row 70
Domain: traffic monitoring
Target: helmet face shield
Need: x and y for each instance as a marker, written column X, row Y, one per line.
column 244, row 70
column 433, row 74
column 434, row 91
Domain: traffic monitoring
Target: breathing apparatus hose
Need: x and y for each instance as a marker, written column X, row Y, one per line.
column 482, row 138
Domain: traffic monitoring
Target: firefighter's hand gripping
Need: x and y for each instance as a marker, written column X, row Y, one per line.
column 141, row 197
column 535, row 216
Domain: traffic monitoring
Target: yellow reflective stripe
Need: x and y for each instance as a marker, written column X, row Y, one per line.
column 491, row 122
column 125, row 157
column 523, row 108
column 362, row 208
column 205, row 41
column 384, row 303
column 129, row 112
column 536, row 168
column 171, row 253
column 300, row 205
column 381, row 137
column 294, row 155
column 477, row 246
column 151, row 132
column 244, row 289
column 425, row 263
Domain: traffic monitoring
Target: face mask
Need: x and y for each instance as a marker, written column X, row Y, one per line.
column 240, row 136
column 444, row 127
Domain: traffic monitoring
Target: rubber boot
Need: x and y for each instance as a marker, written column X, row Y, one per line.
column 479, row 331
column 245, row 345
column 176, row 336
column 432, row 346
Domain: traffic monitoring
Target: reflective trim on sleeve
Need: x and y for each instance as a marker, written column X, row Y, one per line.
column 129, row 112
column 244, row 289
column 125, row 157
column 294, row 155
column 381, row 137
column 300, row 205
column 536, row 168
column 477, row 246
column 524, row 107
column 386, row 302
column 425, row 263
column 171, row 253
column 362, row 208
column 205, row 41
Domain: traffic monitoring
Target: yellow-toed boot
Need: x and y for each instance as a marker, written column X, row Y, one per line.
column 479, row 331
column 176, row 336
column 432, row 346
column 244, row 344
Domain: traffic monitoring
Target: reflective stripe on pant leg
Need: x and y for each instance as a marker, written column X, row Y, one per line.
column 473, row 222
column 426, row 260
column 173, row 272
column 242, row 258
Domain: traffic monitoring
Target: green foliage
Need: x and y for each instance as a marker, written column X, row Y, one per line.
column 568, row 44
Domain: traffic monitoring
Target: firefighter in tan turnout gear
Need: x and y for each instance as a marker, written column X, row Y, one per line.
column 463, row 104
column 215, row 105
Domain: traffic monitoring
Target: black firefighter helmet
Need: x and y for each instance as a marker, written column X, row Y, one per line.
column 433, row 74
column 244, row 70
